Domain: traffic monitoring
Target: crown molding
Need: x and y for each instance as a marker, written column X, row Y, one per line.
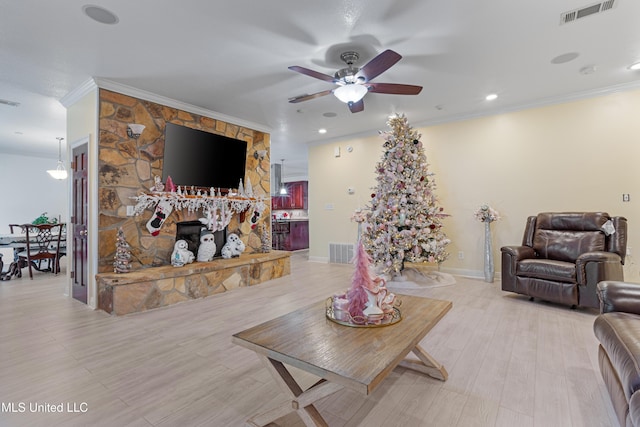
column 169, row 102
column 543, row 102
column 78, row 93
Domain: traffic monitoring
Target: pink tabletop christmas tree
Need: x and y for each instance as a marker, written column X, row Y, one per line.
column 361, row 281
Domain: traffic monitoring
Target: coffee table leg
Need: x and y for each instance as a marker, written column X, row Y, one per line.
column 426, row 364
column 301, row 401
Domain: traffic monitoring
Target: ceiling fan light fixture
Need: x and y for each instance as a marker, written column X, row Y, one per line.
column 350, row 93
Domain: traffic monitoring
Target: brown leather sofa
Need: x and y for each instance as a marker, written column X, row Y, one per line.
column 564, row 255
column 618, row 330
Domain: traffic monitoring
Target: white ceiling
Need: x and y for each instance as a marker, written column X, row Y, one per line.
column 231, row 57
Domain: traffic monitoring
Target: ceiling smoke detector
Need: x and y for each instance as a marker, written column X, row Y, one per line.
column 575, row 14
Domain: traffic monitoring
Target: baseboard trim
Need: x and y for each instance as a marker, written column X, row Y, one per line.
column 474, row 274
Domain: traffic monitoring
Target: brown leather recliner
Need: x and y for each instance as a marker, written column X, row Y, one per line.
column 618, row 330
column 564, row 255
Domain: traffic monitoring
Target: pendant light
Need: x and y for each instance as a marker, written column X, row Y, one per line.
column 60, row 172
column 283, row 189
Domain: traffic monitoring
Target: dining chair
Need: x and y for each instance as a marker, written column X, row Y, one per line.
column 16, row 228
column 43, row 245
column 9, row 267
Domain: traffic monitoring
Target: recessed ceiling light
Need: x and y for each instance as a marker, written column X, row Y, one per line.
column 565, row 57
column 322, row 130
column 635, row 66
column 491, row 97
column 100, row 14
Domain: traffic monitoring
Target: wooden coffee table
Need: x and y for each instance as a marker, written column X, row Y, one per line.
column 342, row 356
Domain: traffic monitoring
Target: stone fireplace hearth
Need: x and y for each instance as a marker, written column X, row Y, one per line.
column 156, row 287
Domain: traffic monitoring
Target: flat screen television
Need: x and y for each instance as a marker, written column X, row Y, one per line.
column 202, row 159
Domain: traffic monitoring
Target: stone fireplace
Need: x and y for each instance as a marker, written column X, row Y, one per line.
column 126, row 169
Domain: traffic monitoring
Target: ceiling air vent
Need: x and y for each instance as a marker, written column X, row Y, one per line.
column 9, row 103
column 576, row 14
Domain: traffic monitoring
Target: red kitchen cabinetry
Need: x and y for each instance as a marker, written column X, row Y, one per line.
column 290, row 235
column 298, row 235
column 277, row 203
column 296, row 197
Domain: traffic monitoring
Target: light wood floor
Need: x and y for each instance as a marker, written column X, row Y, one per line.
column 511, row 362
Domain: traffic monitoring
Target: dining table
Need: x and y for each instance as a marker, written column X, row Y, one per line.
column 18, row 243
column 21, row 238
column 6, row 239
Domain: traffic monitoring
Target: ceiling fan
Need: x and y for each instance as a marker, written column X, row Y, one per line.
column 354, row 83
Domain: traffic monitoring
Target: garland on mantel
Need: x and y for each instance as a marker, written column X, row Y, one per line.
column 218, row 209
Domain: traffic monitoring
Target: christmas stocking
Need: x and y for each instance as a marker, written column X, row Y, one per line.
column 163, row 209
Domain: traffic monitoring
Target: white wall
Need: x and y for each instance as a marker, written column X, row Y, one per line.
column 28, row 190
column 576, row 156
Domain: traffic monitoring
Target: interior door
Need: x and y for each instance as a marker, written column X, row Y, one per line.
column 79, row 204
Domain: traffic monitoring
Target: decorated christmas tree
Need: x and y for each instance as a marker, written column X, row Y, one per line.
column 122, row 258
column 404, row 221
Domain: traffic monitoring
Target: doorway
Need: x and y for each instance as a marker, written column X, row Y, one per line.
column 78, row 232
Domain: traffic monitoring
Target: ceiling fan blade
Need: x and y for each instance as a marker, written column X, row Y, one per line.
column 394, row 88
column 378, row 65
column 356, row 107
column 314, row 74
column 301, row 98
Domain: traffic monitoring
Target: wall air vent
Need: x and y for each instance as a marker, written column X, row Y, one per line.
column 575, row 14
column 341, row 253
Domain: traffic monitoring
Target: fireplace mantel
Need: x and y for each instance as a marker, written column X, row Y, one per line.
column 225, row 206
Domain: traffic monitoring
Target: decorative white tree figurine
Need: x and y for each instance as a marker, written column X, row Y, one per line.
column 404, row 221
column 248, row 188
column 122, row 258
column 240, row 188
column 264, row 240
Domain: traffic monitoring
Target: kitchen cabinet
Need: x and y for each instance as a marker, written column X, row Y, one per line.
column 296, row 197
column 298, row 235
column 278, row 203
column 290, row 235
